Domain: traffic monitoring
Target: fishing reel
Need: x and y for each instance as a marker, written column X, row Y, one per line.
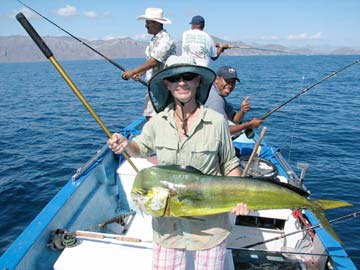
column 259, row 167
column 60, row 239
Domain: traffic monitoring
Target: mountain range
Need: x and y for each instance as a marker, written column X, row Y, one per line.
column 23, row 49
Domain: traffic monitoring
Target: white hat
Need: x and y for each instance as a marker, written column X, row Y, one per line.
column 154, row 14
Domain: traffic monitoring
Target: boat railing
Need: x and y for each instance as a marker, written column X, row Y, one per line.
column 94, row 160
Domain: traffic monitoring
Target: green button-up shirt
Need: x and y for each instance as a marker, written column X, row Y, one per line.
column 207, row 148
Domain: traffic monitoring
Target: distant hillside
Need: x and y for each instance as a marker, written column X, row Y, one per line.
column 23, row 49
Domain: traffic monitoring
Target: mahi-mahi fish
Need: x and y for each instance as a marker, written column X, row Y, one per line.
column 172, row 191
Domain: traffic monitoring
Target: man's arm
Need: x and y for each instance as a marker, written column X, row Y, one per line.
column 150, row 63
column 234, row 172
column 254, row 123
column 220, row 49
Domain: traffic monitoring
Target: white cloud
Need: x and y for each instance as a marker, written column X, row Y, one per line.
column 67, row 11
column 270, row 38
column 91, row 14
column 94, row 15
column 305, row 36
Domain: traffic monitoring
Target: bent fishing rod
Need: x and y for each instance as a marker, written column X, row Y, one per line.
column 244, row 47
column 342, row 218
column 78, row 39
column 49, row 55
column 250, row 132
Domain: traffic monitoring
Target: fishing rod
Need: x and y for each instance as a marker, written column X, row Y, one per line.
column 274, row 252
column 351, row 215
column 48, row 54
column 260, row 49
column 78, row 39
column 250, row 132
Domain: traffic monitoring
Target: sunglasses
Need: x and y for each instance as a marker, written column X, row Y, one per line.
column 230, row 81
column 184, row 76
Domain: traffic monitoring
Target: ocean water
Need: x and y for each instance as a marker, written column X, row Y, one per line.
column 46, row 133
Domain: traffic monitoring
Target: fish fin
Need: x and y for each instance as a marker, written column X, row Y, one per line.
column 188, row 169
column 192, row 218
column 331, row 204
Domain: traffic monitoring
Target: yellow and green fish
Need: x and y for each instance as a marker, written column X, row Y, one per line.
column 171, row 191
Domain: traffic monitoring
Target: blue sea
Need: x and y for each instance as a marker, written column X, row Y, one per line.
column 46, row 133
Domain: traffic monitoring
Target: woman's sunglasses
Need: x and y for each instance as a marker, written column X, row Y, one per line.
column 184, row 76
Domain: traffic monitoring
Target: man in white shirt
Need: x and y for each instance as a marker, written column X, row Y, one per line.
column 198, row 44
column 160, row 47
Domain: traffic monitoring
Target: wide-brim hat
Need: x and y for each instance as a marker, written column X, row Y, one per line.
column 160, row 96
column 154, row 14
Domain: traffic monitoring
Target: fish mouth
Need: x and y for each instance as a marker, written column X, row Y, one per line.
column 138, row 201
column 154, row 201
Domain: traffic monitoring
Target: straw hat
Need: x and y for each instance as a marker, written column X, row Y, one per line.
column 160, row 96
column 154, row 14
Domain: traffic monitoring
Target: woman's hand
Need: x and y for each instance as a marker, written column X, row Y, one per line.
column 240, row 209
column 117, row 143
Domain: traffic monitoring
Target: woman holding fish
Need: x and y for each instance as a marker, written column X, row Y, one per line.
column 186, row 133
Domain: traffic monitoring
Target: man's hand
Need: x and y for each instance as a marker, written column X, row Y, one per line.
column 126, row 75
column 222, row 47
column 245, row 105
column 255, row 122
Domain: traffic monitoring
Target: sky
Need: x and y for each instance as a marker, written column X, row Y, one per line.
column 292, row 23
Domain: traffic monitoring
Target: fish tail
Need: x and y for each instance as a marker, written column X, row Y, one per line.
column 318, row 210
column 331, row 204
column 320, row 215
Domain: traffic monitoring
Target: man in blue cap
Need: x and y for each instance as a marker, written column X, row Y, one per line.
column 198, row 44
column 224, row 84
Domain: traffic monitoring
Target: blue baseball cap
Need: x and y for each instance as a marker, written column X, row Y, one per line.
column 198, row 20
column 227, row 72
